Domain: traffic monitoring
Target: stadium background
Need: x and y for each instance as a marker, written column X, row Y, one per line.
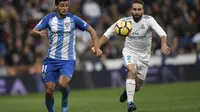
column 21, row 57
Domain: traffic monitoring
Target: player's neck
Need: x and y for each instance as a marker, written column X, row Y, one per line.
column 60, row 16
column 137, row 19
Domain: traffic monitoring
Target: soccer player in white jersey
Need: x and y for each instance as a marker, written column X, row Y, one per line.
column 137, row 49
column 59, row 63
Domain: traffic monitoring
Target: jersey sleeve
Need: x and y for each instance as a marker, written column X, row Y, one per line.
column 80, row 23
column 43, row 23
column 156, row 27
column 110, row 31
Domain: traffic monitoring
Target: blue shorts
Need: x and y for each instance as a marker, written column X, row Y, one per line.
column 52, row 69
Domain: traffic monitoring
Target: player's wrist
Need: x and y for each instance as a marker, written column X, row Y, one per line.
column 96, row 49
column 163, row 44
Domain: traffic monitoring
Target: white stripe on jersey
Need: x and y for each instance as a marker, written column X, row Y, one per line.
column 66, row 38
column 54, row 27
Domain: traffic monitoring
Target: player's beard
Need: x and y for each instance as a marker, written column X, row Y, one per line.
column 136, row 18
column 62, row 14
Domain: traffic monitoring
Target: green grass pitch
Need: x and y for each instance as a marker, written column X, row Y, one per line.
column 176, row 97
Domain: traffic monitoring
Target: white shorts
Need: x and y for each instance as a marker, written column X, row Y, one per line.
column 142, row 68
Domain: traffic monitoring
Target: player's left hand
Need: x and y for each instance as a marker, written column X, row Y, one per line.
column 165, row 49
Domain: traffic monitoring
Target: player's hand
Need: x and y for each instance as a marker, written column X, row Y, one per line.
column 97, row 52
column 165, row 49
column 93, row 50
column 43, row 33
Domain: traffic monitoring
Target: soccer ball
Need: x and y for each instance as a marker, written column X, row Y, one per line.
column 123, row 28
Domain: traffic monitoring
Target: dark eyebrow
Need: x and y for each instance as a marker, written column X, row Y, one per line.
column 137, row 8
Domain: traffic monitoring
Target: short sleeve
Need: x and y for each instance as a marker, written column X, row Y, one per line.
column 43, row 22
column 110, row 31
column 80, row 23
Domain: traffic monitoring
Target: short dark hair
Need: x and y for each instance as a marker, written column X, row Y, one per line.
column 138, row 1
column 58, row 1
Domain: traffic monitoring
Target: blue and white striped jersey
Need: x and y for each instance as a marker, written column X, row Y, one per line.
column 61, row 34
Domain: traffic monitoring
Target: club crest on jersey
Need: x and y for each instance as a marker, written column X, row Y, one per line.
column 143, row 27
column 66, row 24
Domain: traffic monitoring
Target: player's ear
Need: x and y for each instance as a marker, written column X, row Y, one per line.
column 55, row 6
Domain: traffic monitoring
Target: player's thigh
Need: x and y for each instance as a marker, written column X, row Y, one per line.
column 142, row 69
column 49, row 73
column 66, row 73
column 128, row 58
column 130, row 63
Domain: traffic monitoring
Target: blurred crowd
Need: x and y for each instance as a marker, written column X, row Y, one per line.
column 21, row 53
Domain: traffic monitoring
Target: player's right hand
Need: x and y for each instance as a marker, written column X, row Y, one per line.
column 165, row 49
column 97, row 52
column 93, row 50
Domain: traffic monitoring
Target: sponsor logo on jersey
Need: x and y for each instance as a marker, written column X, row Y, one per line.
column 138, row 37
column 60, row 32
column 142, row 26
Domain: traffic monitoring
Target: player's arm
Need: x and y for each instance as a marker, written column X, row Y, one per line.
column 39, row 28
column 157, row 28
column 95, row 41
column 110, row 32
column 36, row 32
column 103, row 40
column 105, row 37
column 82, row 25
column 164, row 48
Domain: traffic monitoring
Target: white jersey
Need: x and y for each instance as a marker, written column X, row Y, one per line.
column 140, row 39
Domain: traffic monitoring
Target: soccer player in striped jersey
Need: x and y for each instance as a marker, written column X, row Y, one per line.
column 137, row 49
column 58, row 66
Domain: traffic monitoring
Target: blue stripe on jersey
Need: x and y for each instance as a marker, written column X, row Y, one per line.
column 60, row 37
column 71, row 41
column 50, row 35
column 74, row 48
column 49, row 49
